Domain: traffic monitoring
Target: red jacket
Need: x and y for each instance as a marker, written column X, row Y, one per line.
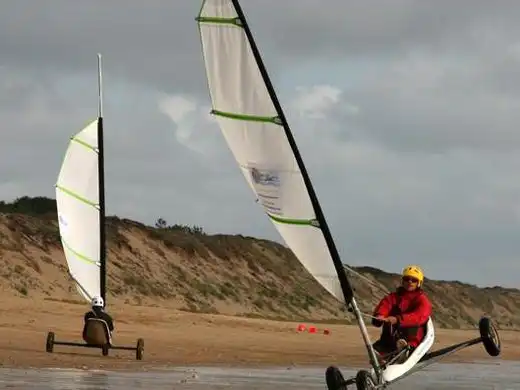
column 412, row 310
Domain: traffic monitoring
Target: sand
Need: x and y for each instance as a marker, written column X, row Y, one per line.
column 182, row 339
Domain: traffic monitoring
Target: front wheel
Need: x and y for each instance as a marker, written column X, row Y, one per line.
column 364, row 381
column 139, row 350
column 49, row 345
column 334, row 379
column 489, row 335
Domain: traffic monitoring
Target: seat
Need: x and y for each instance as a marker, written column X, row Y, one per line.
column 393, row 371
column 96, row 332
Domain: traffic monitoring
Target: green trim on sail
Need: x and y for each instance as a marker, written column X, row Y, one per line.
column 78, row 197
column 250, row 118
column 290, row 221
column 217, row 20
column 83, row 143
column 79, row 255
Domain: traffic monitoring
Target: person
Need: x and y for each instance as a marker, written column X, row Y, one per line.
column 98, row 311
column 403, row 315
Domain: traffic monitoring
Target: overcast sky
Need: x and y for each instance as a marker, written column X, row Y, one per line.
column 407, row 114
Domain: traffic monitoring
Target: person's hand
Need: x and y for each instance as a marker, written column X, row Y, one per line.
column 392, row 320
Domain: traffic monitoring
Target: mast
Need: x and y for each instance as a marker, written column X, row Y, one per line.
column 346, row 287
column 101, row 186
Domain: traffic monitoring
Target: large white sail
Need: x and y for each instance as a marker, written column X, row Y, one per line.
column 77, row 199
column 252, row 128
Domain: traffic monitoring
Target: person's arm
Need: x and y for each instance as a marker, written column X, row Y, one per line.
column 419, row 315
column 382, row 310
column 110, row 322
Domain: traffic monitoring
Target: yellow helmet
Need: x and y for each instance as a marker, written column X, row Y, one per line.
column 414, row 271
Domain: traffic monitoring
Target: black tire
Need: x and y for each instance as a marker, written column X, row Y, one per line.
column 105, row 349
column 364, row 381
column 490, row 337
column 49, row 346
column 334, row 379
column 139, row 350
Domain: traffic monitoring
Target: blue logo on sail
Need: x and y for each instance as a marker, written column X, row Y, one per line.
column 62, row 220
column 265, row 178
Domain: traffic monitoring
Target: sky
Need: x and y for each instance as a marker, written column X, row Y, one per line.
column 406, row 113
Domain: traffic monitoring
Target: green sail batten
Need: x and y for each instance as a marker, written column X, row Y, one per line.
column 76, row 196
column 79, row 255
column 83, row 143
column 216, row 20
column 250, row 118
column 290, row 221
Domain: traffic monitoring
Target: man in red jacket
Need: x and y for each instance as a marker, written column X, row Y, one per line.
column 403, row 314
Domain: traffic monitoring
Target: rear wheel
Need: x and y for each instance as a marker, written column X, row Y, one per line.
column 334, row 379
column 490, row 337
column 139, row 349
column 364, row 381
column 49, row 346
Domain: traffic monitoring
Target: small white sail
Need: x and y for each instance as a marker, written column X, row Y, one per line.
column 77, row 199
column 250, row 124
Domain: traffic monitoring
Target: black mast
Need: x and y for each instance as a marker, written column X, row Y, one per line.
column 346, row 288
column 101, row 187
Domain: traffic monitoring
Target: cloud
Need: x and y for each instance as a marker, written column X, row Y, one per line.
column 435, row 105
column 190, row 117
column 313, row 102
column 406, row 115
column 176, row 107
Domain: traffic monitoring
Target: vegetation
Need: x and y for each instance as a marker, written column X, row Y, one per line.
column 39, row 205
column 161, row 224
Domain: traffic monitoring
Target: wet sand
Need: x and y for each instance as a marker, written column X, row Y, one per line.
column 174, row 338
column 504, row 376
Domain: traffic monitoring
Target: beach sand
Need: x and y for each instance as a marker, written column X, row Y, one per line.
column 175, row 338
